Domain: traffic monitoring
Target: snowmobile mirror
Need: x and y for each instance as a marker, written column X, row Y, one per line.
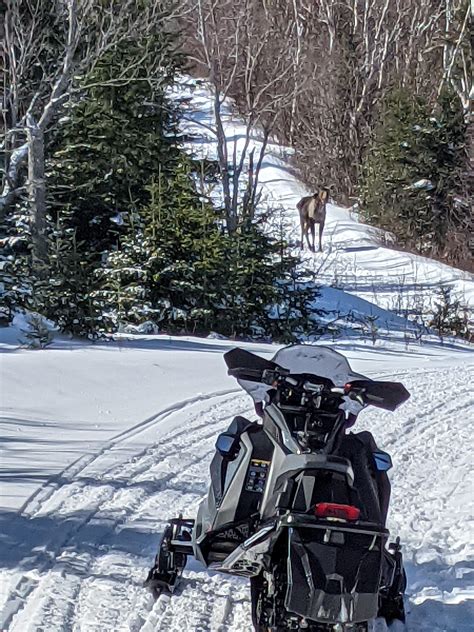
column 270, row 377
column 383, row 461
column 227, row 445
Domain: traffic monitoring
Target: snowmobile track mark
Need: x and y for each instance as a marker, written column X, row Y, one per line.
column 42, row 494
column 24, row 588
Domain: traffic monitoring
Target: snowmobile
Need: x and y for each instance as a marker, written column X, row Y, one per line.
column 296, row 503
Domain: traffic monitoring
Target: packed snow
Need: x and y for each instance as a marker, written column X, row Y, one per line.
column 102, row 443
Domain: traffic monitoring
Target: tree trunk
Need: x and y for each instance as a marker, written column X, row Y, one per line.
column 11, row 188
column 470, row 114
column 231, row 219
column 470, row 133
column 36, row 192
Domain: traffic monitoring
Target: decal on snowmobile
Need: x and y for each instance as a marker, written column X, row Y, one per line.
column 239, row 533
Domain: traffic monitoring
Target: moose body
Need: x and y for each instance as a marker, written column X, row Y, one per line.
column 312, row 210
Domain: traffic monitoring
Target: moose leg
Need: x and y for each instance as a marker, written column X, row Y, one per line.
column 321, row 228
column 302, row 234
column 306, row 232
column 311, row 247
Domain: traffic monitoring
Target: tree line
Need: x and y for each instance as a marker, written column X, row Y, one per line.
column 106, row 222
column 373, row 95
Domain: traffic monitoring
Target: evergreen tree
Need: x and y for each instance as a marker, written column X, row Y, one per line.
column 449, row 317
column 65, row 294
column 16, row 287
column 249, row 286
column 413, row 169
column 263, row 293
column 131, row 239
column 181, row 269
column 167, row 267
column 115, row 137
column 114, row 141
column 190, row 254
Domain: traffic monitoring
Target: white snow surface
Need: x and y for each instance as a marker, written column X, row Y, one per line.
column 102, row 443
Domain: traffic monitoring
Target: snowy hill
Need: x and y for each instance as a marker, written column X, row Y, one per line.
column 102, row 443
column 355, row 257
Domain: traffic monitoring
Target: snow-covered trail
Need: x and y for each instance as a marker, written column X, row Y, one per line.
column 70, row 401
column 432, row 504
column 81, row 546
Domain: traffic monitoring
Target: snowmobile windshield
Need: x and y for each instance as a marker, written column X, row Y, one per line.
column 320, row 361
column 297, row 359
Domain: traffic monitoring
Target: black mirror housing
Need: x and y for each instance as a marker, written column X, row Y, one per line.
column 227, row 445
column 385, row 395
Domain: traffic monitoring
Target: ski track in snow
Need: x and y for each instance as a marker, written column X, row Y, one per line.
column 40, row 496
column 92, row 533
column 432, row 499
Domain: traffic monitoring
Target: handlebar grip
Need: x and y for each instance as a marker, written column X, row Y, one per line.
column 252, row 375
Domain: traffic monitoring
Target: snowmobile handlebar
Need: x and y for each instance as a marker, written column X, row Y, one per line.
column 385, row 395
column 250, row 367
column 280, row 377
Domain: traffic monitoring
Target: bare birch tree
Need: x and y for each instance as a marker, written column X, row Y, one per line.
column 234, row 46
column 46, row 49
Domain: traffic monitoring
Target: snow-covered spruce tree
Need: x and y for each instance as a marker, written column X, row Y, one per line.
column 16, row 282
column 169, row 263
column 248, row 284
column 412, row 174
column 262, row 292
column 121, row 292
column 294, row 314
column 116, row 136
column 190, row 259
column 65, row 295
column 450, row 317
column 180, row 268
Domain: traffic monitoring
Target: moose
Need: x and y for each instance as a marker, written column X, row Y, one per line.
column 312, row 210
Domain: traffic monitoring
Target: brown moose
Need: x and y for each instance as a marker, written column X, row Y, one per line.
column 312, row 210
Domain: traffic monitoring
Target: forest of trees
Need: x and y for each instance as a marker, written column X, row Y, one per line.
column 359, row 88
column 105, row 220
